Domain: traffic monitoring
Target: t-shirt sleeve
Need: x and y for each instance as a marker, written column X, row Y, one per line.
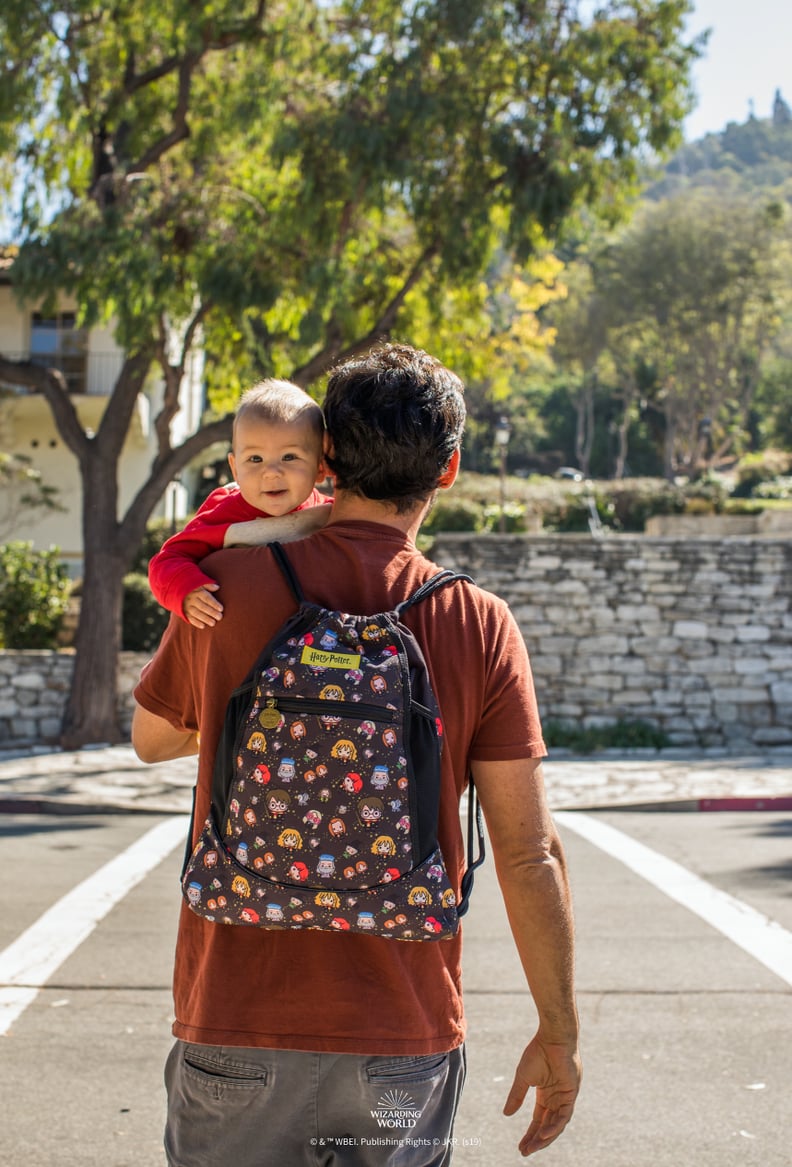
column 509, row 726
column 165, row 687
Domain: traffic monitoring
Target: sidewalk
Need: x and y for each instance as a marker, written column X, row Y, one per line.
column 109, row 779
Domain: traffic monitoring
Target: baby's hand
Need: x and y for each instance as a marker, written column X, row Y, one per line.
column 201, row 608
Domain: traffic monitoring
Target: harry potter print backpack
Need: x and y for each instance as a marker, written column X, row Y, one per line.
column 326, row 784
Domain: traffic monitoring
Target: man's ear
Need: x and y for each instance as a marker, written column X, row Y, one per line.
column 448, row 477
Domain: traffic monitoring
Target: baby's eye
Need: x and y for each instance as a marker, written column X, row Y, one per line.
column 289, row 457
column 254, row 458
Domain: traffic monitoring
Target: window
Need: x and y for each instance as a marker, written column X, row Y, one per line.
column 57, row 343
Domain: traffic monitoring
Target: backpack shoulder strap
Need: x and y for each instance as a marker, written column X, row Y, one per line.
column 475, row 834
column 446, row 576
column 284, row 563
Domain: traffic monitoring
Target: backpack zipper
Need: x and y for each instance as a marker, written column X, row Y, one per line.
column 357, row 711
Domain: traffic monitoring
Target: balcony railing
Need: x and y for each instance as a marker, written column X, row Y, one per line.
column 92, row 373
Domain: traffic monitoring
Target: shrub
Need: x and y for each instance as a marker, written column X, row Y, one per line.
column 451, row 515
column 34, row 593
column 779, row 488
column 143, row 621
column 513, row 516
column 156, row 533
column 755, row 469
column 574, row 513
column 621, row 735
column 636, row 501
column 705, row 496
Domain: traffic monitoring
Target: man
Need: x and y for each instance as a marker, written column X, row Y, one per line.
column 291, row 1044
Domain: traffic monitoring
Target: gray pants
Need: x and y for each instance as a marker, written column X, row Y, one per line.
column 284, row 1108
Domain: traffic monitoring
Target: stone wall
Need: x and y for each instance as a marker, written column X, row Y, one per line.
column 693, row 636
column 34, row 686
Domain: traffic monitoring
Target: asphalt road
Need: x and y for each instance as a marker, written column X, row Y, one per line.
column 686, row 1034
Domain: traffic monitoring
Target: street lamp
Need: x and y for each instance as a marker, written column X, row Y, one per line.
column 502, row 435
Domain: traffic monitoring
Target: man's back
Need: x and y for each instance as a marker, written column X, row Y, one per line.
column 407, row 998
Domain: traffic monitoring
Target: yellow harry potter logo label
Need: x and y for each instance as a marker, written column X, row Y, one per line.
column 318, row 658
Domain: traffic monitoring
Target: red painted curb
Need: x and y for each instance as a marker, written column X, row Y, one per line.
column 779, row 803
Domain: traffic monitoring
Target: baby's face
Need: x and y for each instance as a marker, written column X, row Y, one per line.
column 276, row 464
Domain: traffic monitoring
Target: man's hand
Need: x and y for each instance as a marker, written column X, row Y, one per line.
column 554, row 1071
column 201, row 608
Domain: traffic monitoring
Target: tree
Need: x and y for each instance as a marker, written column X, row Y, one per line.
column 279, row 182
column 782, row 114
column 696, row 284
column 581, row 337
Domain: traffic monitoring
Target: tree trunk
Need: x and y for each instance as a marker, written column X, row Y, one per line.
column 669, row 447
column 91, row 713
column 584, row 432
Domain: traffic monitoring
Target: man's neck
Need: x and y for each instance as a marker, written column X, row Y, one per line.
column 349, row 508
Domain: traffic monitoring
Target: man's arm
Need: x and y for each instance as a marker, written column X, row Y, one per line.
column 155, row 740
column 531, row 870
column 283, row 529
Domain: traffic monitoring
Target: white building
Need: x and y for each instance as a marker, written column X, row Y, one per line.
column 90, row 362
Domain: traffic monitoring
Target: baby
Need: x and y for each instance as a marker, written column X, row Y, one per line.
column 277, row 460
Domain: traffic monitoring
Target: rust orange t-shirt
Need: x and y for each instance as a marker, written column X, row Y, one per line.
column 315, row 990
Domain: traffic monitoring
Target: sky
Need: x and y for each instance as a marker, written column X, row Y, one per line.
column 748, row 57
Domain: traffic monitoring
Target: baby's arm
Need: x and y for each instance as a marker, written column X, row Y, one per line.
column 283, row 529
column 176, row 580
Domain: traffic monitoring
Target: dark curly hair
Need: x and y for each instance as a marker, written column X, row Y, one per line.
column 395, row 417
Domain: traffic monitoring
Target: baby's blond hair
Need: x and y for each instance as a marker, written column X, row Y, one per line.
column 280, row 402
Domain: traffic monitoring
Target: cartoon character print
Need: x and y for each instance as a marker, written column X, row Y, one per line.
column 257, row 743
column 298, row 872
column 389, row 738
column 380, row 777
column 326, row 866
column 373, row 633
column 261, row 774
column 384, row 845
column 331, row 693
column 378, row 684
column 327, row 899
column 286, row 769
column 345, row 750
column 297, row 730
column 370, row 810
column 328, row 640
column 290, row 839
column 419, row 896
column 277, row 802
column 352, row 783
column 240, row 886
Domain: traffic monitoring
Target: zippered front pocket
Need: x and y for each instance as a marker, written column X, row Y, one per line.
column 270, row 716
